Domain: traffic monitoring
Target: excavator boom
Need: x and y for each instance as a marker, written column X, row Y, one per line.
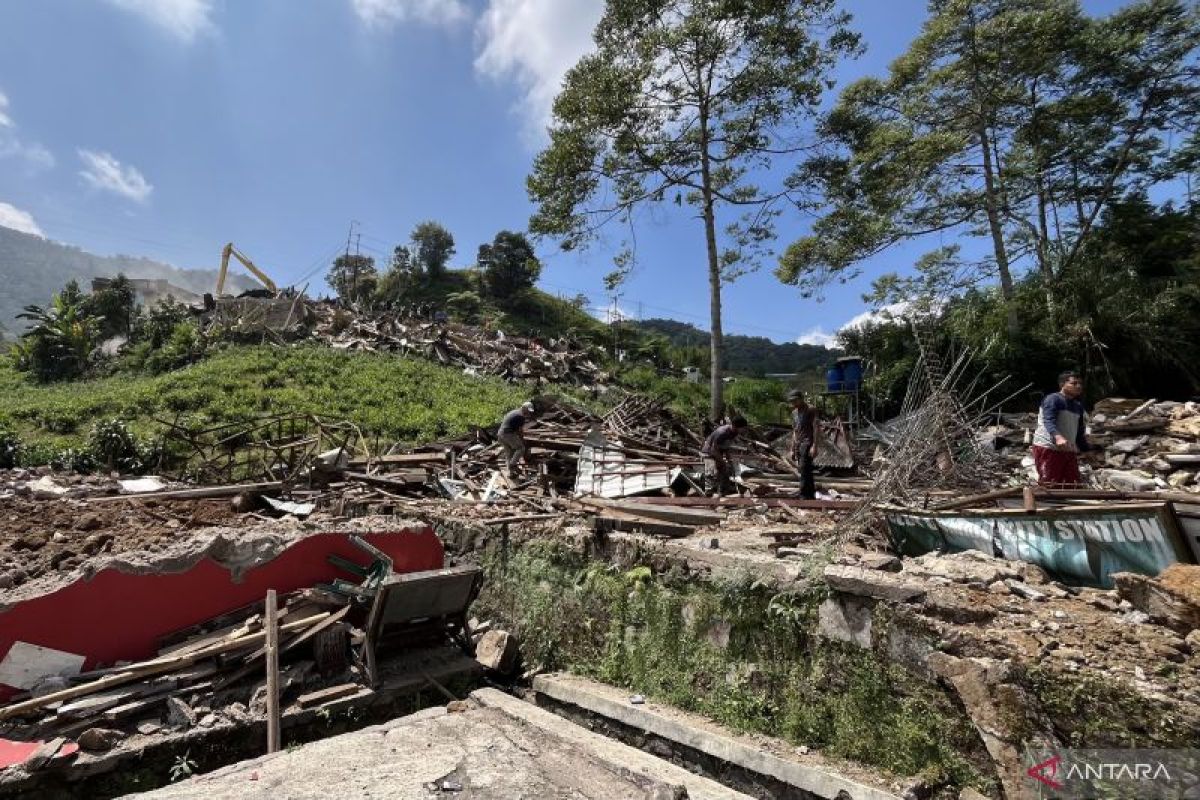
column 230, row 250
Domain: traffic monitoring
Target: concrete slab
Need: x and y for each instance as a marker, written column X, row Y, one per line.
column 758, row 755
column 500, row 748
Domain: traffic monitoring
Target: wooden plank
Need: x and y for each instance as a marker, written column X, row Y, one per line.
column 200, row 493
column 399, row 458
column 610, row 521
column 145, row 669
column 327, row 695
column 977, row 499
column 734, row 501
column 679, row 516
column 272, row 644
column 386, row 483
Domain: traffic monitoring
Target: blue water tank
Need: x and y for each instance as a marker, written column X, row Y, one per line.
column 852, row 374
column 834, row 377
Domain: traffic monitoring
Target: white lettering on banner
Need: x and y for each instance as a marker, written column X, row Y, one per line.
column 1065, row 531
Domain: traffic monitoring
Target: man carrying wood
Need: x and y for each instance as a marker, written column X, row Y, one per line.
column 804, row 441
column 511, row 437
column 1061, row 434
column 717, row 468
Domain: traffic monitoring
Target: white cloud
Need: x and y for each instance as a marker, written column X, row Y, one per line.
column 185, row 19
column 104, row 172
column 534, row 43
column 385, row 13
column 11, row 146
column 817, row 336
column 896, row 312
column 18, row 220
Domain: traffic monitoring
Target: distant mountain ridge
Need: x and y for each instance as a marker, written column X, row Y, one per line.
column 747, row 355
column 33, row 269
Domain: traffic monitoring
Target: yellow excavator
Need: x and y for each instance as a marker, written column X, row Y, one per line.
column 230, row 250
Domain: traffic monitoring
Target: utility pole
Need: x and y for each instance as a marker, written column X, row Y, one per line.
column 346, row 258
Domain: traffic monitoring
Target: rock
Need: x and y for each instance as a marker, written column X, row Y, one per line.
column 148, row 727
column 718, row 634
column 1127, row 481
column 1167, row 601
column 6, row 581
column 947, row 606
column 872, row 583
column 31, row 542
column 881, row 561
column 497, row 650
column 966, row 567
column 1179, row 479
column 846, row 619
column 44, row 488
column 1192, row 640
column 180, row 714
column 208, row 720
column 457, row 706
column 258, row 701
column 1129, row 445
column 1070, row 654
column 42, row 755
column 970, row 794
column 1025, row 590
column 97, row 740
column 88, row 522
column 238, row 712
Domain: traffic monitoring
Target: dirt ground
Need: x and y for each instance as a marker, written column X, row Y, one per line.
column 39, row 537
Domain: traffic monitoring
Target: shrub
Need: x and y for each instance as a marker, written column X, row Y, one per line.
column 10, row 447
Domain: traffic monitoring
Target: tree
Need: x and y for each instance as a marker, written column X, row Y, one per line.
column 688, row 101
column 115, row 306
column 353, row 277
column 60, row 343
column 508, row 265
column 397, row 283
column 432, row 247
column 1017, row 121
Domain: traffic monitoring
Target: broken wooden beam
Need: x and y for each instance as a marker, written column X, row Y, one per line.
column 199, row 493
column 629, row 523
column 322, row 696
column 770, row 502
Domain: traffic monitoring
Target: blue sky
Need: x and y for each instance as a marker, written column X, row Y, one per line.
column 165, row 128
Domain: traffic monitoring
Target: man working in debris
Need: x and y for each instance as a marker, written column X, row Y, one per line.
column 1061, row 434
column 511, row 437
column 804, row 441
column 716, row 453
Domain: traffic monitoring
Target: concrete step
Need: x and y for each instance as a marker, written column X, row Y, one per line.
column 767, row 767
column 607, row 750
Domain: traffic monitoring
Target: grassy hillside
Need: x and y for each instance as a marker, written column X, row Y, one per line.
column 399, row 398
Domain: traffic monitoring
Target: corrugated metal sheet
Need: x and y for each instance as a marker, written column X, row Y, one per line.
column 605, row 471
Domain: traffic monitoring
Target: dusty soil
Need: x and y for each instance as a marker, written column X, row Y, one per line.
column 38, row 537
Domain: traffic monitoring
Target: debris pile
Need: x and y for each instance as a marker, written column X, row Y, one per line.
column 475, row 350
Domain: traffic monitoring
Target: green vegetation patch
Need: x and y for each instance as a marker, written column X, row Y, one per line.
column 738, row 652
column 386, row 396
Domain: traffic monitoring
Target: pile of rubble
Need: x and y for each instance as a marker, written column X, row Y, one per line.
column 1147, row 445
column 475, row 350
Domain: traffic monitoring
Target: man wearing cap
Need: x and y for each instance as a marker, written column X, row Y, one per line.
column 511, row 438
column 716, row 453
column 804, row 441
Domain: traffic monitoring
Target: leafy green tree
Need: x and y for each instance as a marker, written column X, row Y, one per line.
column 1018, row 121
column 353, row 277
column 115, row 305
column 432, row 247
column 688, row 101
column 397, row 283
column 60, row 343
column 508, row 265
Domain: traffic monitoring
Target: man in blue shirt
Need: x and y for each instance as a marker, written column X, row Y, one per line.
column 1061, row 434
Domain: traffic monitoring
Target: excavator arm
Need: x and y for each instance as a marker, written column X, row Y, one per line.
column 230, row 250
